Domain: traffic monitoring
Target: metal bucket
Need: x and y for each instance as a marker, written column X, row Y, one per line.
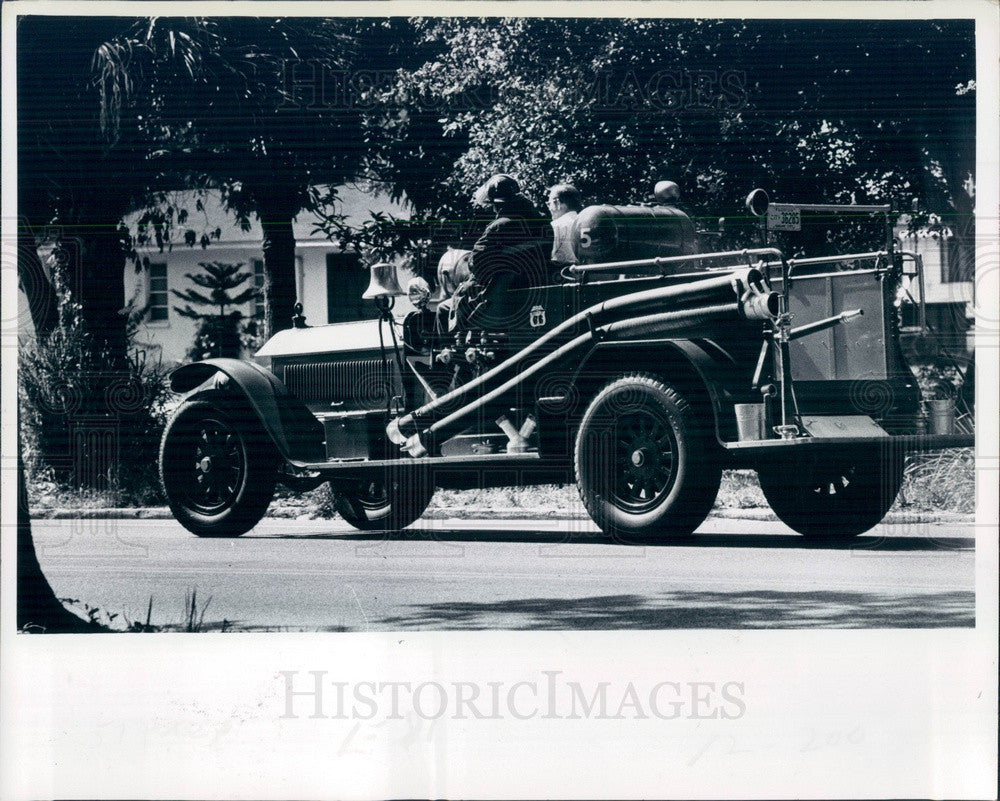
column 750, row 421
column 943, row 416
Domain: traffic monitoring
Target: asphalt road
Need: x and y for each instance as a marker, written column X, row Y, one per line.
column 509, row 574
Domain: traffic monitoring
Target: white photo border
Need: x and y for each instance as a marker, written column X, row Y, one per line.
column 867, row 713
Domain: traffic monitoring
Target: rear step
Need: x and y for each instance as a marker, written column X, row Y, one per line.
column 904, row 442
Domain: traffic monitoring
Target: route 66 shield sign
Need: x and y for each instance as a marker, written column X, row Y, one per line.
column 537, row 319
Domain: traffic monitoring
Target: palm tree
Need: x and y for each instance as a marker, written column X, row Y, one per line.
column 227, row 106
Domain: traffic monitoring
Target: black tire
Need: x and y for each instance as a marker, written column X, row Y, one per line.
column 646, row 468
column 832, row 496
column 386, row 503
column 218, row 471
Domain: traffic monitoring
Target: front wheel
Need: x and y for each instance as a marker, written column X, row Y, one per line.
column 218, row 473
column 645, row 465
column 384, row 503
column 832, row 496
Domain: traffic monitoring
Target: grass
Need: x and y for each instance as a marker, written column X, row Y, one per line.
column 192, row 619
column 739, row 490
column 943, row 481
column 940, row 481
column 44, row 492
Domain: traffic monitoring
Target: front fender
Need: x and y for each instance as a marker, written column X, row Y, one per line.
column 293, row 429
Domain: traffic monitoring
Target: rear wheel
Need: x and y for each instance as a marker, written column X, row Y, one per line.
column 832, row 497
column 645, row 466
column 384, row 504
column 218, row 473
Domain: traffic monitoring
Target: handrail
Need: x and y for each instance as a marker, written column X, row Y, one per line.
column 664, row 261
column 835, row 208
column 814, row 260
column 918, row 263
column 873, row 254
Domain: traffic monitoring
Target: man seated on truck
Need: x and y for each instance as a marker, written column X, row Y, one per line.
column 512, row 254
column 565, row 202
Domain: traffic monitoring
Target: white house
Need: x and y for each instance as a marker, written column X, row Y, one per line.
column 329, row 281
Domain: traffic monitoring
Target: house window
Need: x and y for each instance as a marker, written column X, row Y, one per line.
column 158, row 308
column 259, row 283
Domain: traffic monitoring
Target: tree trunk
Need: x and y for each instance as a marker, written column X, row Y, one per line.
column 38, row 609
column 95, row 276
column 279, row 264
column 83, row 442
column 964, row 230
column 956, row 153
column 37, row 287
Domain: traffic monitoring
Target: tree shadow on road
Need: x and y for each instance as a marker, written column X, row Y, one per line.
column 700, row 610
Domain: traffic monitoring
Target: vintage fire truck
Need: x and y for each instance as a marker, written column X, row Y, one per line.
column 640, row 374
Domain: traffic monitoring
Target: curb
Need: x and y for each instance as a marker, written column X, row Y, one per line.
column 109, row 513
column 759, row 514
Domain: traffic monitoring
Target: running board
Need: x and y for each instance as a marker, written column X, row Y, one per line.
column 494, row 460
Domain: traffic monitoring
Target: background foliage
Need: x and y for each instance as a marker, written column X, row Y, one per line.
column 826, row 111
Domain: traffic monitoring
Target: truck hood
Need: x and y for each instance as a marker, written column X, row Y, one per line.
column 361, row 335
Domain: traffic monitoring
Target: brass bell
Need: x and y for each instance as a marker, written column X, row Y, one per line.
column 384, row 283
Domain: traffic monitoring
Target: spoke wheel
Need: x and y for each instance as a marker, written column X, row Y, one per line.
column 832, row 497
column 645, row 460
column 645, row 466
column 219, row 466
column 385, row 503
column 218, row 476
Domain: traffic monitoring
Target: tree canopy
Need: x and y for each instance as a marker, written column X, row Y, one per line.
column 827, row 111
column 270, row 110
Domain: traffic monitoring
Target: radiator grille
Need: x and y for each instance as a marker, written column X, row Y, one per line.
column 360, row 381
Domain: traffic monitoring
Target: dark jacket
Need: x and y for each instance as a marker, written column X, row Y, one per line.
column 512, row 254
column 516, row 245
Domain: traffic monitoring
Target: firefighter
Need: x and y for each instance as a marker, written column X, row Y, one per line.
column 512, row 254
column 565, row 202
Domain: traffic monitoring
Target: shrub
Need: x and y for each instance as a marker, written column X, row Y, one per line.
column 217, row 337
column 938, row 381
column 88, row 421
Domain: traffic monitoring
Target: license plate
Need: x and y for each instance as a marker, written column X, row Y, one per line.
column 783, row 219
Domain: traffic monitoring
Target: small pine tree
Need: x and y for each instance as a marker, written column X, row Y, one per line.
column 219, row 334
